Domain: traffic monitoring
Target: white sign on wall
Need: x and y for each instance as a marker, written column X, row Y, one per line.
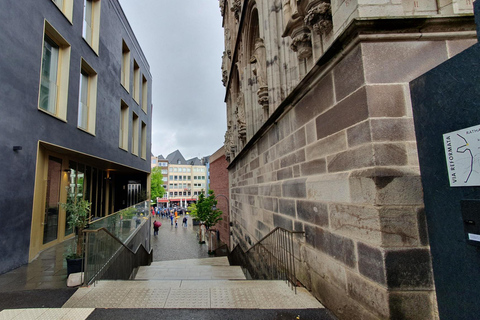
column 462, row 151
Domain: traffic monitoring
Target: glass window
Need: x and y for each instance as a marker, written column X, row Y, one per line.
column 144, row 94
column 66, row 6
column 136, row 81
column 123, row 126
column 135, row 134
column 48, row 85
column 125, row 74
column 87, row 100
column 143, row 139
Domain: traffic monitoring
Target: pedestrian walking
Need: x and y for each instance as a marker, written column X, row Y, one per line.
column 184, row 222
column 176, row 222
column 171, row 219
column 156, row 226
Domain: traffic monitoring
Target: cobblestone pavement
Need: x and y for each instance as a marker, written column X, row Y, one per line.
column 177, row 243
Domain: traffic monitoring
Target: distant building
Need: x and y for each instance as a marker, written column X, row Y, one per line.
column 219, row 184
column 75, row 119
column 184, row 179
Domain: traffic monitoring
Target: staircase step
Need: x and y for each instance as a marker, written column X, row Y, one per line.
column 214, row 261
column 189, row 294
column 189, row 272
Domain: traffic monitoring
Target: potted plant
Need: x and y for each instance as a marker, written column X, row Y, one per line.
column 78, row 212
column 126, row 217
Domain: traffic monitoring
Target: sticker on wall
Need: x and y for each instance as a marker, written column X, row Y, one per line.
column 462, row 151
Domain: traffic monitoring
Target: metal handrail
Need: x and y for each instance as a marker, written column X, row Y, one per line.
column 276, row 251
column 268, row 234
column 108, row 248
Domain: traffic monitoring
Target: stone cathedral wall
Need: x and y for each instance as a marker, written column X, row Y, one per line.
column 336, row 157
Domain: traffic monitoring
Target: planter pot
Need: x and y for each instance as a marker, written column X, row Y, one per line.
column 74, row 265
column 126, row 223
column 195, row 222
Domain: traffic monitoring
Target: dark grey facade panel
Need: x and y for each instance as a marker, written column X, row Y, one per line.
column 23, row 124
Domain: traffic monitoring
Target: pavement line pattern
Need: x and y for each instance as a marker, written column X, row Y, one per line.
column 46, row 314
column 193, row 295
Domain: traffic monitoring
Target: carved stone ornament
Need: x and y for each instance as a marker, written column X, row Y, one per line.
column 236, row 9
column 224, row 77
column 302, row 44
column 259, row 62
column 262, row 94
column 293, row 15
column 222, row 7
column 224, row 69
column 319, row 18
column 229, row 144
column 241, row 124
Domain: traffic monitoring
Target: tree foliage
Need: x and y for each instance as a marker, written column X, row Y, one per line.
column 156, row 184
column 205, row 209
column 78, row 213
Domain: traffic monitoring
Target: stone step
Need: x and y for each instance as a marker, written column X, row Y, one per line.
column 214, row 261
column 190, row 272
column 193, row 294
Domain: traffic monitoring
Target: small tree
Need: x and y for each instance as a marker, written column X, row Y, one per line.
column 156, row 183
column 206, row 210
column 78, row 212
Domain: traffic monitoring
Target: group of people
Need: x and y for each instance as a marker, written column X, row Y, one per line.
column 168, row 213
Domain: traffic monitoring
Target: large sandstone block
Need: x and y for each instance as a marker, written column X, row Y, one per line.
column 329, row 187
column 326, row 146
column 409, row 269
column 386, row 100
column 400, row 62
column 412, row 305
column 338, row 247
column 337, row 301
column 371, row 263
column 379, row 226
column 349, row 111
column 293, row 158
column 386, row 186
column 357, row 222
column 399, row 226
column 424, row 7
column 396, row 129
column 319, row 99
column 296, row 188
column 348, row 74
column 371, row 295
column 312, row 212
column 325, row 267
column 359, row 134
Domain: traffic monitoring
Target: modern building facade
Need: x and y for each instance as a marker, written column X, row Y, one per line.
column 320, row 139
column 184, row 179
column 75, row 118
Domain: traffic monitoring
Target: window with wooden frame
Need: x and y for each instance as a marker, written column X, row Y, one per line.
column 87, row 98
column 135, row 134
column 144, row 141
column 54, row 74
column 136, row 81
column 123, row 132
column 125, row 66
column 144, row 94
column 91, row 23
column 66, row 7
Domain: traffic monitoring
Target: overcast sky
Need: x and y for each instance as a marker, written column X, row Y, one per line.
column 183, row 43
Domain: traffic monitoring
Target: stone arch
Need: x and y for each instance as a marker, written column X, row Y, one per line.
column 256, row 91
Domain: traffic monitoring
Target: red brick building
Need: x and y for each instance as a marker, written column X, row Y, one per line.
column 219, row 184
